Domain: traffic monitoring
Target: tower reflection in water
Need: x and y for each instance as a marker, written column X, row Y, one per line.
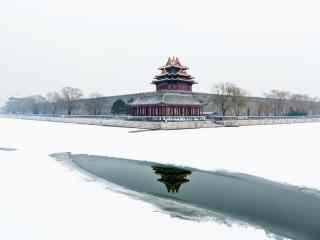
column 172, row 177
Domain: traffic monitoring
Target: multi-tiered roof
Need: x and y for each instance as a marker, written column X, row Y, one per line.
column 173, row 71
column 173, row 96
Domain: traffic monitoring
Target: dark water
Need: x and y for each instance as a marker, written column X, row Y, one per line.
column 282, row 209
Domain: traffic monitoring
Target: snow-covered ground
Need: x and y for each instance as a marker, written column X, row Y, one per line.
column 42, row 199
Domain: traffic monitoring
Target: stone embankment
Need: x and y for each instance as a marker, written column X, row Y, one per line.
column 165, row 125
column 266, row 121
column 120, row 122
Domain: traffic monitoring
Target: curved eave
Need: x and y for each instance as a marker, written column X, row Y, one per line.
column 174, row 80
column 177, row 75
column 165, row 104
column 173, row 66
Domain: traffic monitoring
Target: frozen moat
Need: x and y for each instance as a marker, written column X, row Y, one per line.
column 282, row 209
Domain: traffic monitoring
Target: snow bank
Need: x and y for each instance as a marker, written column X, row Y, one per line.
column 284, row 153
column 42, row 200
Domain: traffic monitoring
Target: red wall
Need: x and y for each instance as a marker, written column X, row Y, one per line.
column 174, row 86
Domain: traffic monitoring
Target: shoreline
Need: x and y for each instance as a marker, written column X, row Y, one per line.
column 157, row 125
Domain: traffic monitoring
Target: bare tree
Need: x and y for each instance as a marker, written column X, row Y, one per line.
column 55, row 100
column 13, row 105
column 315, row 106
column 229, row 98
column 264, row 108
column 26, row 105
column 279, row 101
column 36, row 104
column 94, row 104
column 69, row 97
column 300, row 103
column 222, row 97
column 239, row 100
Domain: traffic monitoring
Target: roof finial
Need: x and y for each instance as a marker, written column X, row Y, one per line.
column 172, row 60
column 168, row 62
column 178, row 61
column 175, row 61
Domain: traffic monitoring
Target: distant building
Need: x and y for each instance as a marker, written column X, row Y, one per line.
column 173, row 95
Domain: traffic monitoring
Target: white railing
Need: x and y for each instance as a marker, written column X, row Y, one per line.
column 166, row 118
column 170, row 118
column 226, row 118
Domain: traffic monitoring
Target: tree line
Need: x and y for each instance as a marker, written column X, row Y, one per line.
column 228, row 99
column 65, row 101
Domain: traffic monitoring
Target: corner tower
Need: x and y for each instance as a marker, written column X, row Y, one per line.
column 173, row 77
column 173, row 99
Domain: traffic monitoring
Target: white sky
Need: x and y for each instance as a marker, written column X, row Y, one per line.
column 115, row 47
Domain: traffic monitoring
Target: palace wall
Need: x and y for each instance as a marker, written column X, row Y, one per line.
column 253, row 103
column 154, row 125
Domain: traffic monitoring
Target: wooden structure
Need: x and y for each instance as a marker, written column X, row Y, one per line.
column 173, row 95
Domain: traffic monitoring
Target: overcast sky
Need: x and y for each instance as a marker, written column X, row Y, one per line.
column 115, row 47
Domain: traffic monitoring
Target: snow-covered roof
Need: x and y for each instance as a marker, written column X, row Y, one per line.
column 173, row 62
column 167, row 98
